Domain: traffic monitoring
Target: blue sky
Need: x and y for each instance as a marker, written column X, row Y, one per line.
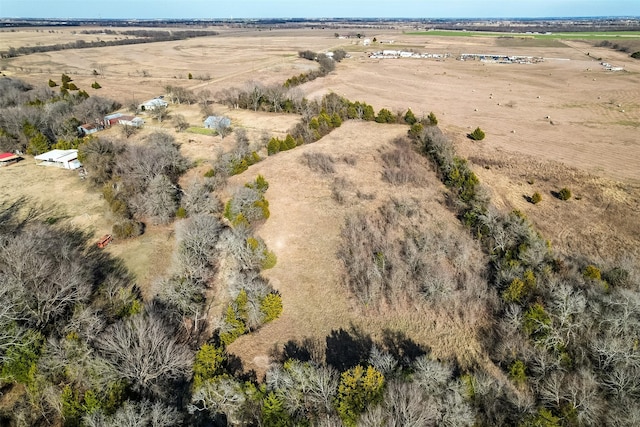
column 149, row 9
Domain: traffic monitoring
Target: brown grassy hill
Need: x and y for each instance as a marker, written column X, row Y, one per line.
column 304, row 231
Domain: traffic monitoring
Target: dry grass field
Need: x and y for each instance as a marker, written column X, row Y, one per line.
column 563, row 122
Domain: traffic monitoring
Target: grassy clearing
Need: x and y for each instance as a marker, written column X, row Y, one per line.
column 590, row 35
column 202, row 131
column 529, row 42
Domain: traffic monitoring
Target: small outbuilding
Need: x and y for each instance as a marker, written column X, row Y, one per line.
column 130, row 121
column 8, row 158
column 217, row 122
column 65, row 159
column 88, row 129
column 112, row 119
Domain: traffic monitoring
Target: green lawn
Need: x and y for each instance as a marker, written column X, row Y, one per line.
column 202, row 131
column 590, row 35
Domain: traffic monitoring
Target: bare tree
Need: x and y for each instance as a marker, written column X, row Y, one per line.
column 275, row 95
column 220, row 396
column 147, row 352
column 137, row 414
column 11, row 333
column 197, row 198
column 180, row 122
column 159, row 112
column 46, row 265
column 256, row 92
column 128, row 130
column 161, row 199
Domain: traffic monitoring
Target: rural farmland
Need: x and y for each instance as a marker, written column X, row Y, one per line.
column 283, row 221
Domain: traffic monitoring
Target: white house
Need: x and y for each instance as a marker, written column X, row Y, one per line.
column 66, row 159
column 130, row 121
column 215, row 122
column 152, row 104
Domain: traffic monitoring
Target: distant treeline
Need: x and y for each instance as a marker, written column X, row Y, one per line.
column 142, row 36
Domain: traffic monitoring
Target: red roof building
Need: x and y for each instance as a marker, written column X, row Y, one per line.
column 8, row 158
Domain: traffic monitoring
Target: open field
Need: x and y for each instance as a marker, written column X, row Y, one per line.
column 579, row 35
column 563, row 122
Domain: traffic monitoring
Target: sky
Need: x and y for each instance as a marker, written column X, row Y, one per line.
column 216, row 9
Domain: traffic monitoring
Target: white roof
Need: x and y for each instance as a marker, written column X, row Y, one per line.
column 156, row 102
column 57, row 156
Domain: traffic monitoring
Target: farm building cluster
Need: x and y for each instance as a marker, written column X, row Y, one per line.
column 499, row 58
column 121, row 118
column 610, row 67
column 394, row 54
column 496, row 58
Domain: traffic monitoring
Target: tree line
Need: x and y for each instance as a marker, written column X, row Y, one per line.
column 142, row 36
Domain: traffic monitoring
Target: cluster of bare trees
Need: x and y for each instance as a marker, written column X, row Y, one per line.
column 36, row 119
column 74, row 332
column 257, row 96
column 139, row 180
column 398, row 254
column 237, row 160
column 414, row 392
column 563, row 328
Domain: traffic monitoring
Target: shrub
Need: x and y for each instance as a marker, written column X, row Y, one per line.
column 210, row 173
column 477, row 134
column 271, row 307
column 319, row 162
column 517, row 373
column 536, row 322
column 564, row 194
column 181, row 213
column 234, row 326
column 385, row 116
column 536, row 198
column 20, row 359
column 52, row 83
column 127, row 229
column 592, row 272
column 516, row 291
column 207, row 364
column 432, row 119
column 409, row 117
column 636, row 55
column 96, row 85
column 270, row 260
column 416, row 130
column 616, row 277
column 273, row 147
column 358, row 389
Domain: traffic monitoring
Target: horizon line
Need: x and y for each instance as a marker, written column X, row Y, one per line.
column 327, row 18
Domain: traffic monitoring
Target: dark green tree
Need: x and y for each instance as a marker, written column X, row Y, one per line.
column 477, row 134
column 409, row 117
